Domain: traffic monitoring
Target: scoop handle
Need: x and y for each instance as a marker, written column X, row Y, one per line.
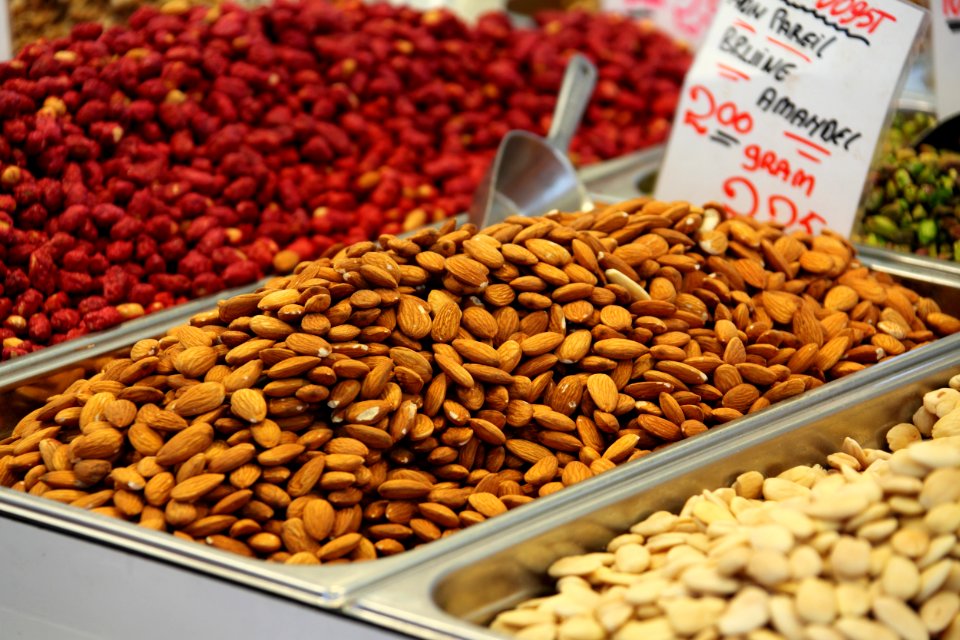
column 579, row 81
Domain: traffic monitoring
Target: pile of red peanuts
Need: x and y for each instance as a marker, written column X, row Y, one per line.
column 192, row 151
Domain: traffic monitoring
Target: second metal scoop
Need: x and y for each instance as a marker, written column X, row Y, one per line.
column 944, row 136
column 531, row 175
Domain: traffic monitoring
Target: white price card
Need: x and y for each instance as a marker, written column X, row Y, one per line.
column 782, row 109
column 686, row 20
column 945, row 15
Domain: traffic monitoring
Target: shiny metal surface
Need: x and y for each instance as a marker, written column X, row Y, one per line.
column 57, row 586
column 907, row 263
column 531, row 174
column 622, row 176
column 332, row 586
column 452, row 597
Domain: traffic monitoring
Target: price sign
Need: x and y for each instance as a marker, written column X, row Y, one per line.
column 686, row 20
column 946, row 52
column 783, row 107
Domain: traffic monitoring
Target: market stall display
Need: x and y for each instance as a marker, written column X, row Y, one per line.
column 402, row 390
column 201, row 148
column 396, row 422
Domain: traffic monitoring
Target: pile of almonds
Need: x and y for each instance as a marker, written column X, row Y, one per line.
column 863, row 550
column 404, row 389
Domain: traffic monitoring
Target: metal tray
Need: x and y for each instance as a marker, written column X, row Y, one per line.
column 452, row 597
column 330, row 587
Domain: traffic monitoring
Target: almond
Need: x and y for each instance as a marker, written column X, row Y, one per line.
column 194, row 488
column 543, row 471
column 757, row 374
column 619, row 348
column 194, row 362
column 185, row 444
column 232, row 458
column 541, row 343
column 815, row 262
column 604, row 391
column 306, row 477
column 100, row 444
column 403, row 489
column 199, row 398
column 305, row 344
column 526, row 450
column 483, row 252
column 780, row 305
column 280, row 454
column 841, row 298
column 741, row 397
column 487, row 432
column 339, row 547
column 446, row 323
column 487, row 504
column 575, row 347
column 575, row 472
column 477, row 352
column 752, row 272
column 622, row 447
column 120, row 413
column 249, row 405
column 831, row 352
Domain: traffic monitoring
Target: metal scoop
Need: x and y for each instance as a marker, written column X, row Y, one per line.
column 945, row 136
column 531, row 175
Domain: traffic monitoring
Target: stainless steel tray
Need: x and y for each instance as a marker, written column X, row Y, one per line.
column 450, row 598
column 59, row 586
column 331, row 586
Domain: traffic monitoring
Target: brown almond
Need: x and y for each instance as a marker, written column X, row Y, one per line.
column 575, row 347
column 339, row 547
column 780, row 305
column 487, row 504
column 318, row 517
column 623, row 446
column 403, row 489
column 100, row 444
column 229, row 459
column 306, row 477
column 541, row 343
column 604, row 391
column 194, row 362
column 619, row 349
column 831, row 352
column 840, row 298
column 194, row 488
column 249, row 405
column 199, row 398
column 185, row 444
column 280, row 454
column 543, row 470
column 477, row 352
column 575, row 472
